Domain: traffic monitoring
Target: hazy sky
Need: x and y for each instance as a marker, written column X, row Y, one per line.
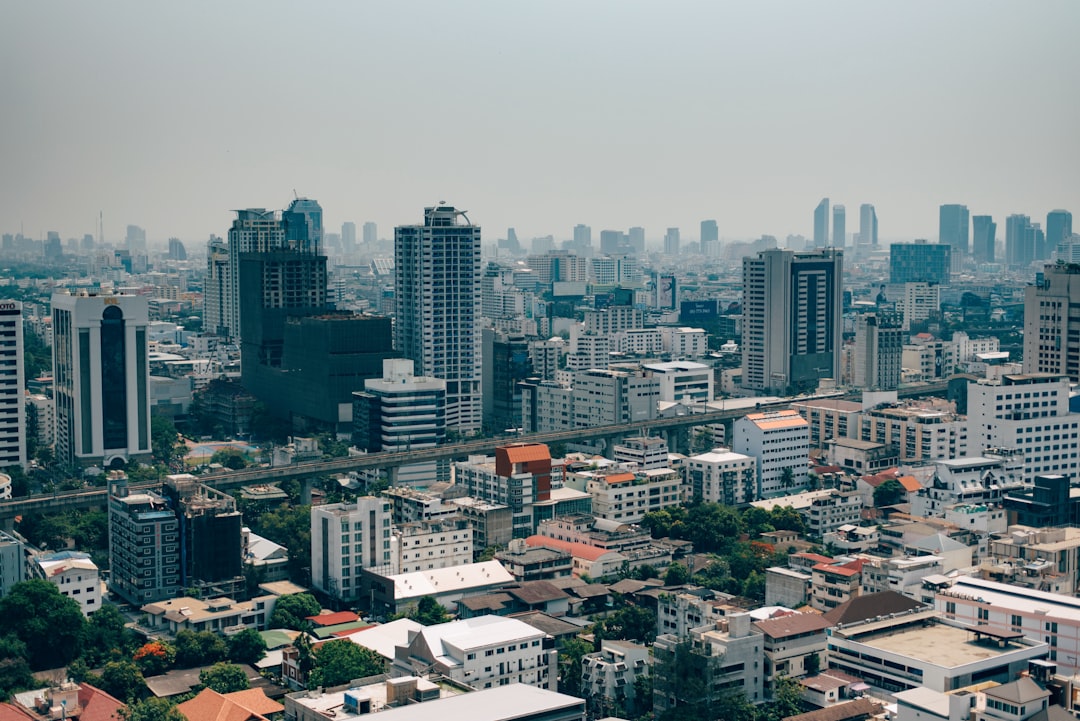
column 538, row 115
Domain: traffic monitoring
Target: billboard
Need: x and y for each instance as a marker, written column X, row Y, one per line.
column 697, row 311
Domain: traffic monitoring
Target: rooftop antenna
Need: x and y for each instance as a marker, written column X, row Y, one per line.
column 294, row 194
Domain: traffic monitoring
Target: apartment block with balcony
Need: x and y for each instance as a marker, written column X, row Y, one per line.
column 835, row 583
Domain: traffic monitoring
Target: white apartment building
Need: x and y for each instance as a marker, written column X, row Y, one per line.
column 919, row 430
column 780, row 441
column 918, row 302
column 588, row 350
column 646, row 452
column 828, row 512
column 1029, row 413
column 683, row 381
column 545, row 355
column 684, row 342
column 480, row 478
column 424, row 545
column 558, row 266
column 1050, row 322
column 638, row 341
column 348, row 537
column 731, row 651
column 597, row 398
column 616, row 270
column 929, row 360
column 74, row 574
column 721, row 476
column 608, row 675
column 483, row 652
column 626, row 496
column 972, row 480
column 613, row 319
column 12, row 382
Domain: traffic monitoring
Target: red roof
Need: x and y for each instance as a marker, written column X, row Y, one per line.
column 910, row 484
column 12, row 713
column 619, row 478
column 350, row 631
column 525, row 452
column 813, row 557
column 98, row 705
column 333, row 619
column 851, row 568
column 577, row 550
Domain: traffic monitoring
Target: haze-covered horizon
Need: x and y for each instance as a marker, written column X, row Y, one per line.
column 538, row 116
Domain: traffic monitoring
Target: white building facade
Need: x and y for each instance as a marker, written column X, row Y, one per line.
column 780, row 441
column 348, row 537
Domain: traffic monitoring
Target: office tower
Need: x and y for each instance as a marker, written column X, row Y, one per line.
column 101, row 376
column 371, row 233
column 12, row 403
column 1017, row 252
column 402, row 412
column 255, row 230
column 919, row 262
column 135, row 240
column 217, row 288
column 710, row 238
column 953, row 227
column 177, row 250
column 303, row 225
column 506, row 363
column 582, row 237
column 868, row 234
column 636, row 238
column 983, row 237
column 1052, row 322
column 144, row 547
column 780, row 441
column 671, row 242
column 879, row 348
column 1058, row 229
column 1035, row 241
column 347, row 538
column 87, row 243
column 821, row 224
column 54, row 248
column 542, row 244
column 210, row 536
column 612, row 241
column 437, row 308
column 839, row 227
column 558, row 266
column 348, row 236
column 792, row 305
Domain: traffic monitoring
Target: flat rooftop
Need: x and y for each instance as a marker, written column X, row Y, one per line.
column 938, row 645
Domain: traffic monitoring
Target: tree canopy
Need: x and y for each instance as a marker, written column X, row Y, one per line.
column 889, row 493
column 247, row 646
column 291, row 610
column 340, row 661
column 49, row 623
column 153, row 709
column 199, row 648
column 225, row 677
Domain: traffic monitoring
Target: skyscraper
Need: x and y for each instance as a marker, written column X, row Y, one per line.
column 1017, row 250
column 437, row 308
column 983, row 238
column 879, row 347
column 612, row 241
column 348, row 237
column 1058, row 229
column 710, row 238
column 953, row 227
column 671, row 242
column 868, row 225
column 217, row 288
column 792, row 304
column 135, row 240
column 920, row 262
column 371, row 233
column 839, row 226
column 636, row 238
column 1052, row 323
column 255, row 230
column 12, row 402
column 821, row 224
column 101, row 375
column 582, row 237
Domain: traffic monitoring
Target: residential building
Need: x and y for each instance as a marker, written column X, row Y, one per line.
column 787, row 587
column 44, row 414
column 794, row 646
column 1046, row 559
column 683, row 381
column 821, row 224
column 596, row 398
column 835, row 583
column 400, row 593
column 101, row 380
column 828, row 418
column 518, row 476
column 608, row 676
column 1052, row 322
column 348, row 537
column 588, row 530
column 219, row 615
column 791, row 319
column 74, row 574
column 831, row 511
column 879, row 343
column 414, row 504
column 919, row 302
column 483, row 652
column 721, row 476
column 534, row 563
column 626, row 496
column 12, row 562
column 645, row 452
column 12, row 371
column 506, row 362
column 954, row 227
column 437, row 308
column 684, row 342
column 902, row 574
column 144, row 545
column 971, row 480
column 780, row 441
column 424, row 545
column 210, row 536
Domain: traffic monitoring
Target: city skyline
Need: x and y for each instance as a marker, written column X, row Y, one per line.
column 728, row 112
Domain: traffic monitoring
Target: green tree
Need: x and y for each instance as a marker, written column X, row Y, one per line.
column 629, row 623
column 289, row 526
column 712, row 527
column 247, row 647
column 153, row 709
column 105, row 637
column 786, row 700
column 570, row 665
column 757, row 521
column 787, row 477
column 340, row 661
column 226, row 677
column 812, row 664
column 489, row 553
column 15, row 674
column 429, row 612
column 154, row 657
column 677, row 574
column 231, row 458
column 889, row 493
column 787, row 519
column 123, row 680
column 291, row 610
column 165, row 442
column 49, row 623
column 199, row 648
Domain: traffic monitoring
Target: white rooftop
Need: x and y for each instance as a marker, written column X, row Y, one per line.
column 382, row 639
column 718, row 455
column 448, row 580
column 494, row 704
column 474, row 633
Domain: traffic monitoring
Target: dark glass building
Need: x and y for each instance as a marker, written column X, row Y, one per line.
column 919, row 262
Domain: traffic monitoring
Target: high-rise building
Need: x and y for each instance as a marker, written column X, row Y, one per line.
column 177, row 251
column 101, row 376
column 613, row 241
column 144, row 545
column 348, row 236
column 919, row 262
column 710, row 238
column 1052, row 322
column 371, row 233
column 792, row 304
column 12, row 562
column 506, row 363
column 1018, row 251
column 839, row 226
column 868, row 234
column 217, row 288
column 347, row 538
column 1058, row 229
column 210, row 536
column 671, row 242
column 983, row 238
column 821, row 224
column 1035, row 240
column 953, row 227
column 135, row 240
column 780, row 441
column 582, row 238
column 879, row 348
column 12, row 403
column 255, row 230
column 437, row 308
column 636, row 238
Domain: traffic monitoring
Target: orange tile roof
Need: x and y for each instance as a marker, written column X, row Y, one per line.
column 577, row 550
column 525, row 452
column 210, row 705
column 98, row 705
column 333, row 619
column 909, row 483
column 13, row 713
column 619, row 478
column 255, row 700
